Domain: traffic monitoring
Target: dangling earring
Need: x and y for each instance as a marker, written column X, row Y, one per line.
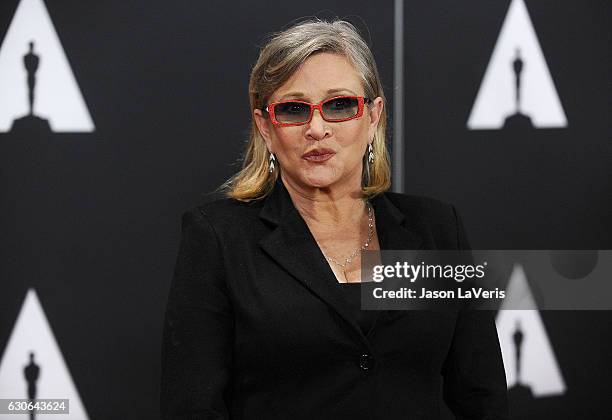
column 271, row 160
column 370, row 154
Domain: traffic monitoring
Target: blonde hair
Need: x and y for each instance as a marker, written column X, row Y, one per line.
column 284, row 53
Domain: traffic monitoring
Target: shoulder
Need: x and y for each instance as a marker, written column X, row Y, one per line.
column 423, row 209
column 437, row 221
column 222, row 213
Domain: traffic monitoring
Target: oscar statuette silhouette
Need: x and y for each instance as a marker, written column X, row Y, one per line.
column 518, row 120
column 31, row 373
column 31, row 124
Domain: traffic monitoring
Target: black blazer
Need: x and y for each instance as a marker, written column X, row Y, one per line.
column 256, row 327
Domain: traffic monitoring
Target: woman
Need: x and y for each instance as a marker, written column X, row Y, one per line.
column 263, row 321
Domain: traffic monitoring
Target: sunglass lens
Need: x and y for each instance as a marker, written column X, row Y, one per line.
column 341, row 108
column 291, row 112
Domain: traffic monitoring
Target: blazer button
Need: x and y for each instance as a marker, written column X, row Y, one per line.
column 366, row 362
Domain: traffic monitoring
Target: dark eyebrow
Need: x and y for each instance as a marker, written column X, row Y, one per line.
column 302, row 96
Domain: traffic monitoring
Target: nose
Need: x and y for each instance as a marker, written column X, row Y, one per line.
column 317, row 128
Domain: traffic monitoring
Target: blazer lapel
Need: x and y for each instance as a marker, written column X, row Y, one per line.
column 393, row 234
column 292, row 246
column 391, row 226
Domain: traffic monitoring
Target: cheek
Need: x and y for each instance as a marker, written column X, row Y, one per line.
column 353, row 141
column 288, row 143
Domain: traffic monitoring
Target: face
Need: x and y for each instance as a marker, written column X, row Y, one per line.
column 322, row 76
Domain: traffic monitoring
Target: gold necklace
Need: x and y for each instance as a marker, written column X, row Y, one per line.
column 364, row 247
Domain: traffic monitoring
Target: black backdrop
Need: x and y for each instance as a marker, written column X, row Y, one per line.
column 91, row 220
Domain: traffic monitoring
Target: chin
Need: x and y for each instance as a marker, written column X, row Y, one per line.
column 319, row 182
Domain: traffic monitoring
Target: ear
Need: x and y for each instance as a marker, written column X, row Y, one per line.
column 374, row 111
column 264, row 127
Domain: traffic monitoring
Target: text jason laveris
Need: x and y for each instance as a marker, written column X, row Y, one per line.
column 423, row 293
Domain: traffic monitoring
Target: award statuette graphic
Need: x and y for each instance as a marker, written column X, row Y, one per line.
column 518, row 119
column 517, row 65
column 39, row 93
column 31, row 61
column 33, row 369
column 519, row 389
column 31, row 373
column 517, row 337
column 31, row 123
column 517, row 89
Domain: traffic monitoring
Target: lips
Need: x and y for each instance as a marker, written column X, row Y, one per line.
column 319, row 153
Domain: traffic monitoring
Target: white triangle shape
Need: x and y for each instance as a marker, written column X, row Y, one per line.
column 496, row 97
column 32, row 334
column 57, row 95
column 539, row 368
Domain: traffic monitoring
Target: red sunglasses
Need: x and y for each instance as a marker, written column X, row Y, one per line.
column 295, row 112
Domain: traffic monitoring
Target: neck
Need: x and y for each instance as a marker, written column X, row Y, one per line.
column 333, row 206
